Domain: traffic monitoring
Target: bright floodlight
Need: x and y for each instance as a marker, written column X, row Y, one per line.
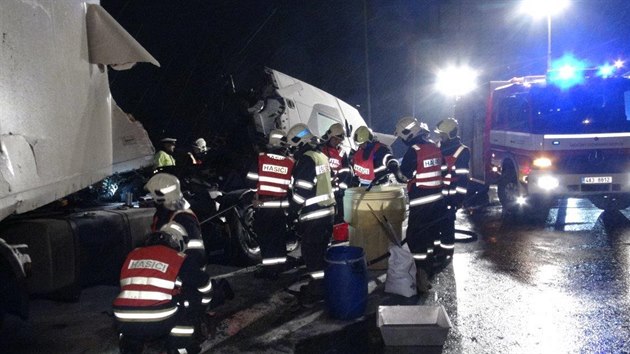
column 456, row 81
column 543, row 8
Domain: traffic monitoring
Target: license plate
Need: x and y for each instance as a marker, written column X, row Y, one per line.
column 597, row 180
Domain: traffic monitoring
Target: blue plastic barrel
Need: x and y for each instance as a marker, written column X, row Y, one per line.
column 345, row 280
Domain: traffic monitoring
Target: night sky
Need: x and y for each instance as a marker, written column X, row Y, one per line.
column 201, row 43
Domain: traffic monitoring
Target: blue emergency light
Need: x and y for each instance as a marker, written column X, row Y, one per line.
column 569, row 71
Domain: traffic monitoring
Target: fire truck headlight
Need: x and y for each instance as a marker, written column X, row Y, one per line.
column 521, row 200
column 548, row 182
column 542, row 162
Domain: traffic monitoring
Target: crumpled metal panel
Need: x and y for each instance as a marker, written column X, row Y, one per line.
column 56, row 118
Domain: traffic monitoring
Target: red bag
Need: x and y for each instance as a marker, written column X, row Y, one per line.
column 340, row 232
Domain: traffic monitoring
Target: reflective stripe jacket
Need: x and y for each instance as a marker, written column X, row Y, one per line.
column 422, row 165
column 371, row 162
column 455, row 171
column 148, row 277
column 340, row 167
column 274, row 174
column 312, row 191
column 187, row 218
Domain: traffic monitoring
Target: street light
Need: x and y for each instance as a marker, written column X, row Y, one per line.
column 545, row 8
column 456, row 81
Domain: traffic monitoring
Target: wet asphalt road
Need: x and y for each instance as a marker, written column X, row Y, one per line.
column 556, row 284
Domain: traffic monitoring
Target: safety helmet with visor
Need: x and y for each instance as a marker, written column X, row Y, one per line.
column 363, row 134
column 336, row 130
column 165, row 189
column 200, row 146
column 447, row 128
column 408, row 128
column 299, row 135
column 277, row 139
column 172, row 235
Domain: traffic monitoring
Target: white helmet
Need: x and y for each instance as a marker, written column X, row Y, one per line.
column 335, row 130
column 165, row 189
column 171, row 235
column 200, row 145
column 408, row 128
column 447, row 128
column 179, row 236
column 299, row 135
column 277, row 138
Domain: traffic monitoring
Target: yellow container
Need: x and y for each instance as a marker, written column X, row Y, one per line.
column 365, row 230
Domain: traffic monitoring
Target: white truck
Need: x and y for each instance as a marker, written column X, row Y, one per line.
column 60, row 131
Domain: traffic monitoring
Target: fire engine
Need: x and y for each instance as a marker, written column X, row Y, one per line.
column 540, row 138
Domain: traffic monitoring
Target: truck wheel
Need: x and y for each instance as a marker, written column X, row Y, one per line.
column 508, row 190
column 611, row 202
column 246, row 250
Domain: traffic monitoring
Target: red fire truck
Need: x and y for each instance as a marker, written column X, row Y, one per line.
column 540, row 138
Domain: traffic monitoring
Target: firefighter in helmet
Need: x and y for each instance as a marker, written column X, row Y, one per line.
column 372, row 162
column 199, row 150
column 312, row 204
column 171, row 206
column 161, row 291
column 422, row 165
column 455, row 172
column 339, row 165
column 271, row 177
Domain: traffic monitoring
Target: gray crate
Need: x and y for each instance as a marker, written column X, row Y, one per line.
column 418, row 325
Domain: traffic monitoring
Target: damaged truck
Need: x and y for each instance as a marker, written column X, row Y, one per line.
column 60, row 132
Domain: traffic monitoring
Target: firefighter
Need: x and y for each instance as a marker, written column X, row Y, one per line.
column 199, row 150
column 160, row 294
column 422, row 165
column 455, row 172
column 271, row 176
column 339, row 165
column 373, row 161
column 164, row 157
column 171, row 206
column 312, row 204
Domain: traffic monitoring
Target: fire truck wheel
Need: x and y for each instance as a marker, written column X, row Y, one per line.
column 611, row 202
column 508, row 190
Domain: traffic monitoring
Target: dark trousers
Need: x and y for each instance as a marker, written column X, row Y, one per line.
column 270, row 225
column 315, row 235
column 447, row 236
column 422, row 232
column 136, row 333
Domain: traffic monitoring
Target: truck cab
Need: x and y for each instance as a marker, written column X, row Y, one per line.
column 566, row 134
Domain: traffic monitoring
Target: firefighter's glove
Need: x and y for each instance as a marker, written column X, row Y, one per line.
column 394, row 168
